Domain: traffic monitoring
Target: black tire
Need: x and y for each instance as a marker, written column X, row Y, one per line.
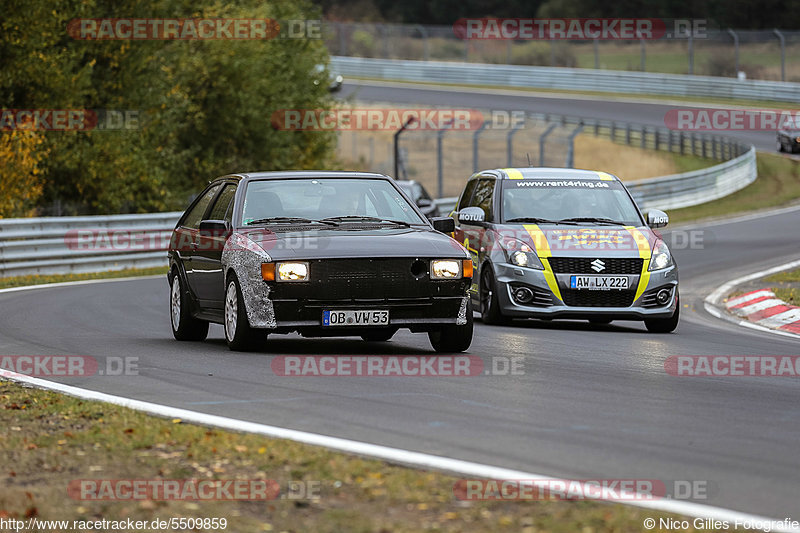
column 664, row 325
column 600, row 320
column 452, row 339
column 490, row 307
column 780, row 146
column 379, row 335
column 238, row 333
column 184, row 326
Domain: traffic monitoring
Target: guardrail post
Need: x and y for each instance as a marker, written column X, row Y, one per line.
column 571, row 146
column 783, row 53
column 439, row 162
column 385, row 39
column 342, row 40
column 510, row 143
column 628, row 133
column 681, row 138
column 736, row 49
column 669, row 141
column 542, row 139
column 643, row 55
column 714, row 154
column 703, row 140
column 475, row 145
column 643, row 140
column 424, row 33
column 656, row 139
column 613, row 130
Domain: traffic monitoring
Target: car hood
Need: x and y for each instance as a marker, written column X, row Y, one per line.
column 314, row 243
column 584, row 240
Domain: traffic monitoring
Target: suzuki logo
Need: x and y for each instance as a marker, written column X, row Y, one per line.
column 598, row 266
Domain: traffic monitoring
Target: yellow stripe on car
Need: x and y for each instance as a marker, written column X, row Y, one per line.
column 645, row 253
column 605, row 176
column 543, row 251
column 513, row 173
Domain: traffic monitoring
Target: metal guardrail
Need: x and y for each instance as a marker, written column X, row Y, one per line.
column 58, row 245
column 564, row 78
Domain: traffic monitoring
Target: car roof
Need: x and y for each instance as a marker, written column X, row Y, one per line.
column 550, row 173
column 299, row 174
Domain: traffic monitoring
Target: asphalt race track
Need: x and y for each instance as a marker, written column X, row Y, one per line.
column 623, row 110
column 593, row 402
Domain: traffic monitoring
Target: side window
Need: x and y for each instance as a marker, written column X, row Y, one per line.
column 222, row 207
column 194, row 216
column 484, row 194
column 465, row 197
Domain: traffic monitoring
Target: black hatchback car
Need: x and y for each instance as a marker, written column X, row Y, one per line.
column 319, row 253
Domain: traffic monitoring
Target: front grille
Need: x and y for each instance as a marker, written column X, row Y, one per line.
column 348, row 279
column 583, row 265
column 587, row 298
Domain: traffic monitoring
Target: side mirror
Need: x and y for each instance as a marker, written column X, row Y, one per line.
column 657, row 219
column 424, row 202
column 444, row 224
column 471, row 215
column 214, row 228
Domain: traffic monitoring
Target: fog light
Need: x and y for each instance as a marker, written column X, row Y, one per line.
column 522, row 295
column 663, row 295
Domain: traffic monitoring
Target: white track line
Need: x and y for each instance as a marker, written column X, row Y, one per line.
column 394, row 455
column 82, row 282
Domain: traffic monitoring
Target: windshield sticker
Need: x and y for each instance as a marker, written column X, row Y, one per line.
column 586, row 184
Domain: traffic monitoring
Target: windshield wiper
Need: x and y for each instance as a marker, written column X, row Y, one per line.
column 289, row 220
column 537, row 220
column 359, row 218
column 595, row 220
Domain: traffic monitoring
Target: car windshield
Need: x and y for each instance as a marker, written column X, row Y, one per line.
column 581, row 200
column 342, row 199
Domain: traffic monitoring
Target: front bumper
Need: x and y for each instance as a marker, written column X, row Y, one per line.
column 611, row 304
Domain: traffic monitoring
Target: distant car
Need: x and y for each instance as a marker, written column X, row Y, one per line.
column 419, row 196
column 334, row 80
column 789, row 137
column 319, row 253
column 561, row 243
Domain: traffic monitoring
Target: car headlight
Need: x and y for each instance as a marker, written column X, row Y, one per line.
column 292, row 271
column 445, row 269
column 521, row 254
column 661, row 257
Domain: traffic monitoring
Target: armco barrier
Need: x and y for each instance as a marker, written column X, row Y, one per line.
column 56, row 244
column 576, row 79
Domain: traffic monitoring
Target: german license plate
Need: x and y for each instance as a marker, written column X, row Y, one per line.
column 355, row 317
column 598, row 283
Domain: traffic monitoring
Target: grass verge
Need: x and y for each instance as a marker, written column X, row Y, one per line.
column 20, row 281
column 790, row 295
column 787, row 276
column 51, row 439
column 778, row 184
